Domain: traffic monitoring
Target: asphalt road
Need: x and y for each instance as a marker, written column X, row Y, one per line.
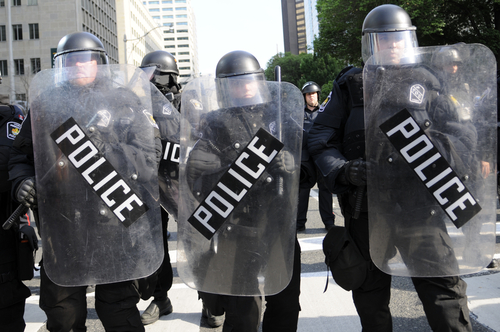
column 407, row 311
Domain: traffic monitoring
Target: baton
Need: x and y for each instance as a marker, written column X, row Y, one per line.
column 277, row 78
column 21, row 209
column 359, row 200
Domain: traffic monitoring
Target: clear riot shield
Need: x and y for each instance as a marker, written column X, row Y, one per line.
column 239, row 175
column 168, row 121
column 96, row 174
column 431, row 151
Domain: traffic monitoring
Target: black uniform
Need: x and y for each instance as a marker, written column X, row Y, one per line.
column 337, row 136
column 325, row 196
column 66, row 307
column 13, row 291
column 208, row 160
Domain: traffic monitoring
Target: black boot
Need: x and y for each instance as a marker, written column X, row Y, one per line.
column 155, row 310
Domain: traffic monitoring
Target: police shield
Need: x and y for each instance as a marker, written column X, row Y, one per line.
column 168, row 121
column 96, row 174
column 239, row 173
column 430, row 119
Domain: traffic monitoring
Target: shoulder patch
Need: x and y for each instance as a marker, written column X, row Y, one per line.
column 13, row 129
column 417, row 94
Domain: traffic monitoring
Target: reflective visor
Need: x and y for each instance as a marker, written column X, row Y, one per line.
column 374, row 42
column 242, row 90
column 80, row 57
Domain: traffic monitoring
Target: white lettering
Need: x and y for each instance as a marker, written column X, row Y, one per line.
column 428, row 147
column 93, row 152
column 232, row 193
column 68, row 135
column 424, row 165
column 91, row 169
column 447, row 185
column 460, row 203
column 204, row 221
column 228, row 205
column 260, row 151
column 127, row 205
column 401, row 127
column 244, row 167
column 438, row 177
column 108, row 192
column 105, row 180
column 239, row 178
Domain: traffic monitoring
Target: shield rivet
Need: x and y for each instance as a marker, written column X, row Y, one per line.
column 102, row 212
column 134, row 176
column 433, row 212
column 198, row 193
column 237, row 145
column 92, row 129
column 229, row 228
column 427, row 123
column 61, row 163
column 466, row 177
column 269, row 179
column 389, row 159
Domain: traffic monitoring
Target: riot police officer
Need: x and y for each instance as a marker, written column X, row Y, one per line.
column 66, row 307
column 311, row 91
column 337, row 144
column 14, row 292
column 164, row 78
column 243, row 98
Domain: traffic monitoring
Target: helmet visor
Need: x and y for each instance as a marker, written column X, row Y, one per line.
column 72, row 59
column 395, row 45
column 242, row 90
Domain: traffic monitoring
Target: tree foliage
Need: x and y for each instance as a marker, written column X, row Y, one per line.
column 438, row 22
column 299, row 69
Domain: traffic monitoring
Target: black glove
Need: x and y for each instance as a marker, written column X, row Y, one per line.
column 355, row 172
column 26, row 193
column 284, row 162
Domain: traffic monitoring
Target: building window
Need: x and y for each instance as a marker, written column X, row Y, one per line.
column 184, row 60
column 17, row 30
column 166, row 1
column 188, row 75
column 182, row 23
column 156, row 17
column 169, row 46
column 154, row 9
column 182, row 30
column 184, row 45
column 19, row 66
column 184, row 68
column 3, row 33
column 4, row 68
column 183, row 53
column 182, row 38
column 181, row 8
column 181, row 16
column 167, row 25
column 167, row 9
column 16, row 3
column 32, row 2
column 180, row 1
column 173, row 53
column 35, row 65
column 154, row 2
column 2, row 3
column 21, row 96
column 34, row 31
column 168, row 39
column 168, row 16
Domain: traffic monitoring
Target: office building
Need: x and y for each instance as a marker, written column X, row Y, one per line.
column 300, row 25
column 179, row 33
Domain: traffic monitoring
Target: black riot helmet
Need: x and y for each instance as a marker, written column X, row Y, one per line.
column 79, row 47
column 240, row 80
column 311, row 87
column 166, row 71
column 384, row 25
column 447, row 55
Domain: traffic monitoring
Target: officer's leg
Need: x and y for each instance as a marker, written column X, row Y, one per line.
column 116, row 306
column 165, row 276
column 242, row 313
column 282, row 309
column 373, row 297
column 302, row 207
column 445, row 303
column 12, row 317
column 326, row 205
column 65, row 307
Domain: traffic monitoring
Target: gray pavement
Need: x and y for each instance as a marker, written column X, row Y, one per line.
column 332, row 310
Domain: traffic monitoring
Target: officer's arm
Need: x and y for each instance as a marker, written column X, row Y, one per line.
column 325, row 139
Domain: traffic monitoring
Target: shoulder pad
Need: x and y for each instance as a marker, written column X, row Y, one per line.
column 346, row 73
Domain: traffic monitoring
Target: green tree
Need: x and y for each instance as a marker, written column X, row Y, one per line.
column 438, row 22
column 299, row 69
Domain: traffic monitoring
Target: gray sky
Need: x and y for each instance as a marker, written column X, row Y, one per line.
column 228, row 25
